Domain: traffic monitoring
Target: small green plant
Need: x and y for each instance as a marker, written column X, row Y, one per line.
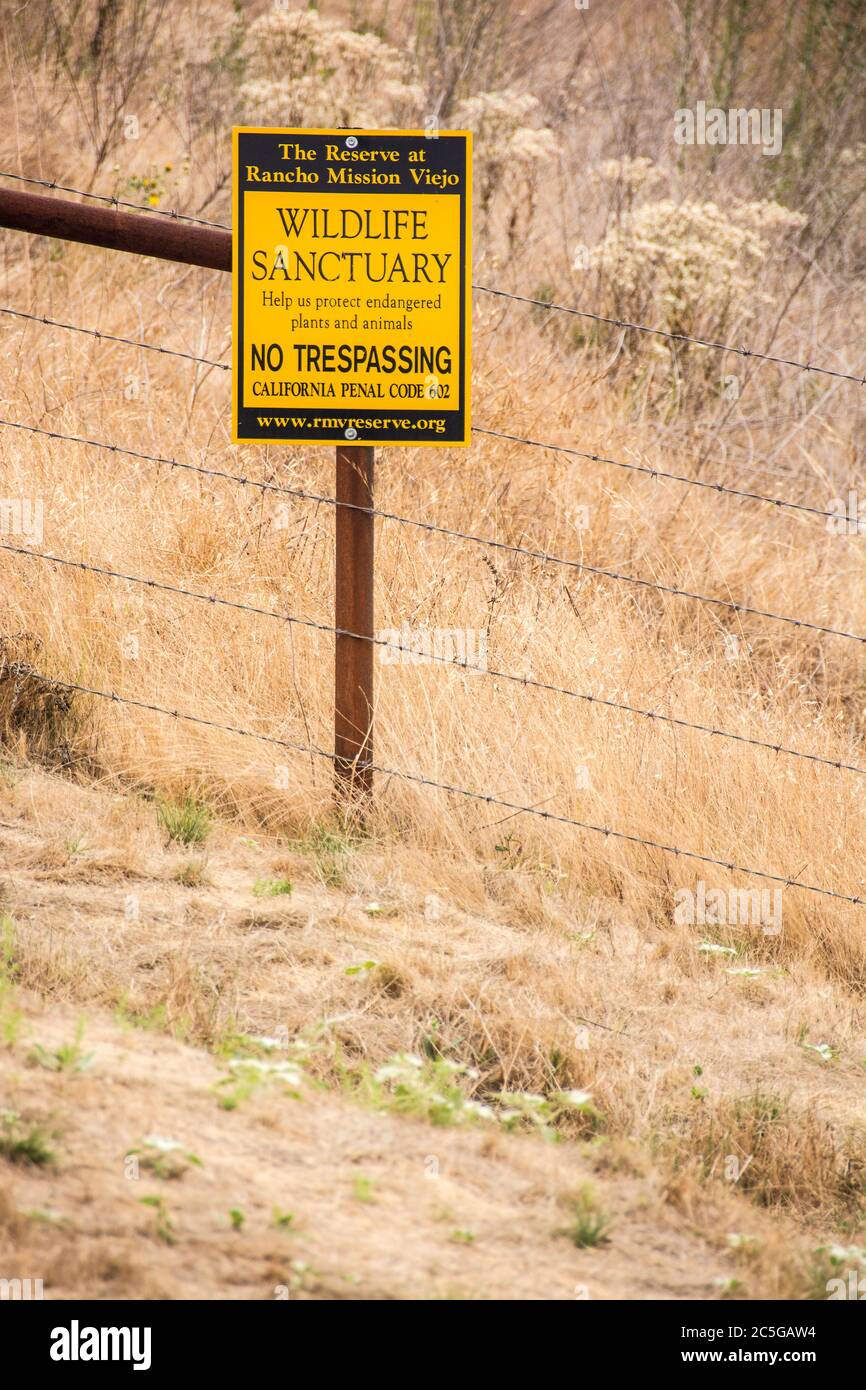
column 746, row 1245
column 75, row 846
column 363, row 1189
column 589, row 1224
column 830, row 1266
column 271, row 887
column 153, row 1020
column 730, row 1288
column 148, row 186
column 544, row 1114
column 47, row 1216
column 164, row 1225
column 231, row 1044
column 331, row 852
column 434, row 1088
column 186, row 822
column 11, row 1017
column 8, row 964
column 24, row 1145
column 283, row 1220
column 511, row 850
column 249, row 1074
column 428, row 1087
column 364, row 966
column 462, row 1237
column 164, row 1157
column 237, row 1218
column 67, row 1057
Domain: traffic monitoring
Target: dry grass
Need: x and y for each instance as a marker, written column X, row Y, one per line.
column 691, row 1070
column 544, row 956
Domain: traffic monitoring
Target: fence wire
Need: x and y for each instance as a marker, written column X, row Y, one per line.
column 527, row 681
column 647, row 469
column 7, row 670
column 114, row 338
column 674, row 337
column 546, row 304
column 264, row 486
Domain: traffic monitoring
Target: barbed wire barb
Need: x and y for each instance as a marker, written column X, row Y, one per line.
column 114, row 338
column 114, row 201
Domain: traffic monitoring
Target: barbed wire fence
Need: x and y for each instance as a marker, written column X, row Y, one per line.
column 14, row 671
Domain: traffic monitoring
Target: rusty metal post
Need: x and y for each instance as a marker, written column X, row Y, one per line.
column 353, row 657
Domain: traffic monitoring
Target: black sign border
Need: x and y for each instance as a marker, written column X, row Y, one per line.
column 444, row 145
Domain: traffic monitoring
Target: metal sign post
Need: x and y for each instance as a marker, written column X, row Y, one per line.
column 353, row 601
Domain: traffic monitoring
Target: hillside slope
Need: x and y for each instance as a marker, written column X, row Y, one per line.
column 110, row 961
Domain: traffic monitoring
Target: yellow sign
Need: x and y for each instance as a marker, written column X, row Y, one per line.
column 352, row 286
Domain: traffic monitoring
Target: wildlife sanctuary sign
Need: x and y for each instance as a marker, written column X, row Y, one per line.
column 351, row 275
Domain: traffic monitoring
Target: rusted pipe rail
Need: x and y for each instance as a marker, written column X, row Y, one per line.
column 138, row 232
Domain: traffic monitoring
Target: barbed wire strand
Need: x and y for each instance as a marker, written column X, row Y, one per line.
column 677, row 337
column 742, row 351
column 115, row 202
column 476, row 429
column 399, row 773
column 115, row 338
column 730, row 604
column 494, row 673
column 657, row 472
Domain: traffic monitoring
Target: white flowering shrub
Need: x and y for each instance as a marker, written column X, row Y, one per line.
column 688, row 267
column 628, row 178
column 302, row 70
column 506, row 144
